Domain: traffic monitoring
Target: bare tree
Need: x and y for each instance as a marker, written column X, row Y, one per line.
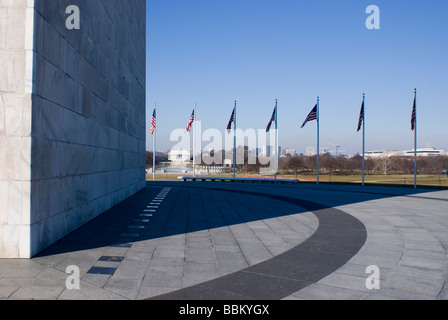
column 354, row 164
column 294, row 163
column 159, row 158
column 310, row 163
column 383, row 165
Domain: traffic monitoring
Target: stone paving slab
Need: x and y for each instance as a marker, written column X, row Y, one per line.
column 204, row 232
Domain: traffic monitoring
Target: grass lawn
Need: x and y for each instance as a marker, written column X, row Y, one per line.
column 405, row 180
column 408, row 180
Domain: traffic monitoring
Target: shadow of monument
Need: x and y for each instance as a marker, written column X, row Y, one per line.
column 191, row 207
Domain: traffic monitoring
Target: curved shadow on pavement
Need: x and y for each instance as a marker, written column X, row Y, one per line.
column 191, row 207
column 184, row 210
column 338, row 238
column 184, row 213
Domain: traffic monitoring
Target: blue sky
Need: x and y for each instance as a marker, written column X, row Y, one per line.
column 255, row 51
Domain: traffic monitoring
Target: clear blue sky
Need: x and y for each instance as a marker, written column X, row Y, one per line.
column 256, row 51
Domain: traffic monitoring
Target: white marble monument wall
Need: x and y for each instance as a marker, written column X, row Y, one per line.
column 72, row 116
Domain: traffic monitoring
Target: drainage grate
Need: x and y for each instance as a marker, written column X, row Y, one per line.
column 102, row 271
column 121, row 245
column 111, row 259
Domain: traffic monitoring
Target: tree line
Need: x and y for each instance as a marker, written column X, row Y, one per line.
column 337, row 165
column 373, row 166
column 160, row 157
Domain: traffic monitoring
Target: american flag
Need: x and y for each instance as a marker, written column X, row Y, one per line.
column 190, row 122
column 232, row 119
column 153, row 122
column 273, row 118
column 312, row 116
column 361, row 117
column 413, row 117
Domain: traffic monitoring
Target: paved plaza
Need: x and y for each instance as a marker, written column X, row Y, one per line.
column 232, row 241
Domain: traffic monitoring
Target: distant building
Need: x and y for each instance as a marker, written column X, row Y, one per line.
column 287, row 152
column 310, row 151
column 425, row 152
column 421, row 152
column 266, row 151
column 179, row 156
column 228, row 163
column 269, row 151
column 383, row 153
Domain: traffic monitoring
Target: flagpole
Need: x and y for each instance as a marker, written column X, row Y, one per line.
column 415, row 140
column 318, row 141
column 363, row 137
column 234, row 145
column 194, row 140
column 154, row 150
column 276, row 139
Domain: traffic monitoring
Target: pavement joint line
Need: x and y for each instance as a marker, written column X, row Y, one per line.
column 121, row 245
column 111, row 258
column 130, row 235
column 299, row 269
column 355, row 268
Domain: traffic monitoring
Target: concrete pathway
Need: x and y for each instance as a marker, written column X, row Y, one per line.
column 174, row 238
